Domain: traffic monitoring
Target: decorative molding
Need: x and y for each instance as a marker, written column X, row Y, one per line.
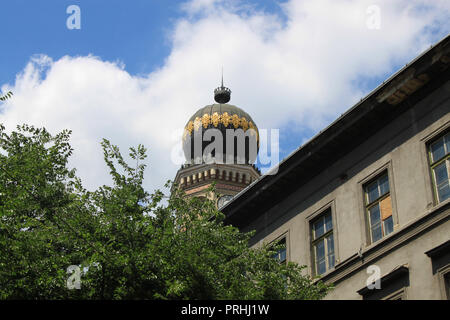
column 441, row 273
column 439, row 250
column 228, row 187
column 398, row 272
column 201, row 188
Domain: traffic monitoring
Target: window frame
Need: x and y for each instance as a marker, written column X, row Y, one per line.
column 443, row 276
column 278, row 254
column 323, row 237
column 283, row 237
column 400, row 294
column 432, row 164
column 385, row 171
column 446, row 284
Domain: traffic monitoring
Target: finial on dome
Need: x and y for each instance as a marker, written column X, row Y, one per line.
column 222, row 94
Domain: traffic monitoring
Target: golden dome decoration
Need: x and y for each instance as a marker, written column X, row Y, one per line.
column 190, row 126
column 206, row 120
column 197, row 123
column 221, row 116
column 244, row 124
column 216, row 119
column 236, row 121
column 226, row 119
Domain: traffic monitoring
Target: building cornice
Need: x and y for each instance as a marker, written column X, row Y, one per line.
column 388, row 101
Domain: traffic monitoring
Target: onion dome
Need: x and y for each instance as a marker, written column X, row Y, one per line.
column 236, row 127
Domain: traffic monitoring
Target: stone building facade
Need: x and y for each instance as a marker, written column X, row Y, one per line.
column 365, row 204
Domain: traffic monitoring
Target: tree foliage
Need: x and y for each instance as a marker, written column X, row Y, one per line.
column 131, row 244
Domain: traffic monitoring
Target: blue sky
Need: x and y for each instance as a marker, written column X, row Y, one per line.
column 137, row 70
column 112, row 30
column 134, row 32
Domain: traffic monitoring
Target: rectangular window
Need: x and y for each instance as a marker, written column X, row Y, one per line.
column 322, row 243
column 281, row 254
column 439, row 155
column 379, row 207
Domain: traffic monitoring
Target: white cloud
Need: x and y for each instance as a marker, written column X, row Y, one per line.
column 300, row 68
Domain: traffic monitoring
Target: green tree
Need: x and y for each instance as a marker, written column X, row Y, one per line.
column 130, row 243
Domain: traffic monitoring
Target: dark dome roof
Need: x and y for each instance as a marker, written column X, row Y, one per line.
column 221, row 117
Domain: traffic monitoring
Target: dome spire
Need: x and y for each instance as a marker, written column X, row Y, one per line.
column 222, row 94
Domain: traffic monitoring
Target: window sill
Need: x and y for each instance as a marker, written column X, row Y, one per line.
column 398, row 228
column 390, row 242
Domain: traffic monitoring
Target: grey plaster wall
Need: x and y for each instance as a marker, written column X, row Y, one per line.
column 399, row 148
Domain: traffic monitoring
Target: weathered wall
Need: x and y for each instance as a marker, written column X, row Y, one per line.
column 401, row 149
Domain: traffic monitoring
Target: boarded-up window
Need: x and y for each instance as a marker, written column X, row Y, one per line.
column 439, row 155
column 386, row 208
column 379, row 207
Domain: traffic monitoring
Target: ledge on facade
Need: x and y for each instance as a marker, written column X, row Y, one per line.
column 395, row 274
column 189, row 165
column 433, row 216
column 439, row 250
column 440, row 256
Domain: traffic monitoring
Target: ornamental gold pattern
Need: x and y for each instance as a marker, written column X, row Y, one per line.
column 190, row 127
column 226, row 119
column 236, row 121
column 244, row 124
column 197, row 123
column 206, row 120
column 215, row 119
